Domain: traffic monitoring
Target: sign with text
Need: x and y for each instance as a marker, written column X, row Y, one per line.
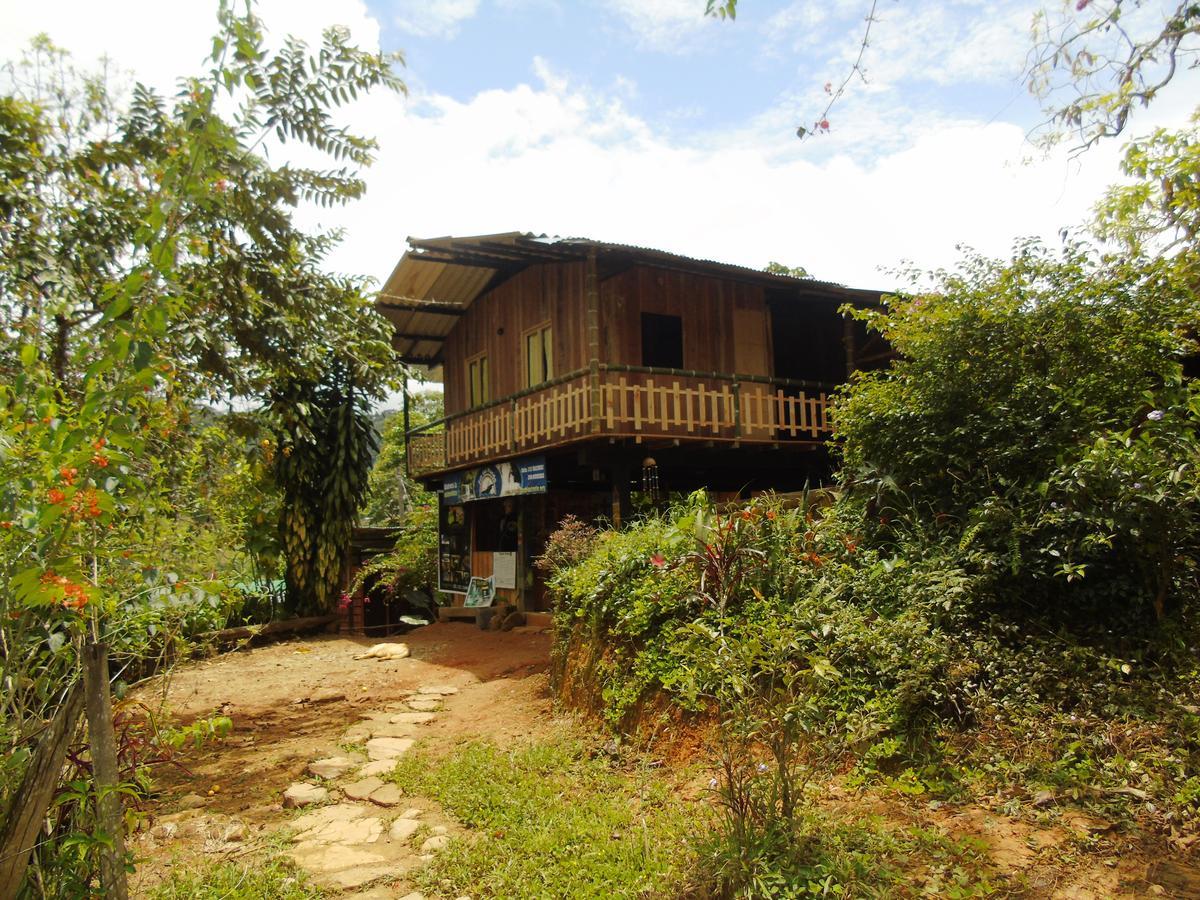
column 506, row 479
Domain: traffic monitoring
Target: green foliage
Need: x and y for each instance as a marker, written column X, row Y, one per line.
column 568, row 545
column 326, row 445
column 549, row 819
column 149, row 263
column 412, row 564
column 391, row 491
column 777, row 268
column 1009, row 373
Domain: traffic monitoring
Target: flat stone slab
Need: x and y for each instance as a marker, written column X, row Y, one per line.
column 388, row 795
column 412, row 718
column 444, row 690
column 387, row 748
column 300, row 795
column 358, row 734
column 435, row 843
column 392, row 729
column 342, row 867
column 361, row 790
column 403, row 829
column 379, row 767
column 326, row 824
column 331, row 767
column 425, row 704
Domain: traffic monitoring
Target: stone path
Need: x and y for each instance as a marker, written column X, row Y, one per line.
column 353, row 831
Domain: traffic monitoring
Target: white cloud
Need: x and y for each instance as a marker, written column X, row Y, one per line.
column 170, row 42
column 434, row 18
column 889, row 184
column 672, row 26
column 550, row 156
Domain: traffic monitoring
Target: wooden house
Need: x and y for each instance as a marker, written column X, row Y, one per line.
column 581, row 375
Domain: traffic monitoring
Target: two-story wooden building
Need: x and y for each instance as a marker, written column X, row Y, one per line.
column 578, row 374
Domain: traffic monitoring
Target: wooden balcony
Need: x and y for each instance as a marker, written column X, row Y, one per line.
column 629, row 402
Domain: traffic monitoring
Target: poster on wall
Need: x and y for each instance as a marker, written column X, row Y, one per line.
column 454, row 549
column 504, row 570
column 481, row 592
column 506, row 479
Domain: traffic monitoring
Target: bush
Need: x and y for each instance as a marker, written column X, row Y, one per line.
column 983, row 436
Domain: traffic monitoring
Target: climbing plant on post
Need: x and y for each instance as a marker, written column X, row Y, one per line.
column 326, row 446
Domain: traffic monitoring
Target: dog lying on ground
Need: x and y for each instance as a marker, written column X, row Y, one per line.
column 385, row 651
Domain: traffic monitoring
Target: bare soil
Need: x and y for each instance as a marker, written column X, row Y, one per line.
column 292, row 702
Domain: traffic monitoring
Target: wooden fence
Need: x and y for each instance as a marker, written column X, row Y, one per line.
column 631, row 404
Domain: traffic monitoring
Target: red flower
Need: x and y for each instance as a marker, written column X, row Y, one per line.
column 771, row 514
column 658, row 560
column 99, row 443
column 6, row 525
column 68, row 474
column 823, row 124
column 100, row 460
column 54, row 495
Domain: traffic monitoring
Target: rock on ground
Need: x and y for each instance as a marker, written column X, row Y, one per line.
column 301, row 794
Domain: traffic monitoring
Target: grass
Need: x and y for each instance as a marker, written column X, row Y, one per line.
column 273, row 879
column 551, row 820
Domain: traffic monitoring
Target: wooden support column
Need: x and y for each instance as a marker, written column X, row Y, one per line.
column 102, row 745
column 591, row 290
column 848, row 342
column 622, row 508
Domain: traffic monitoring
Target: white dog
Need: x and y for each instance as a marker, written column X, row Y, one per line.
column 385, row 651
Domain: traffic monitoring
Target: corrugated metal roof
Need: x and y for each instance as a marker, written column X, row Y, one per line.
column 439, row 278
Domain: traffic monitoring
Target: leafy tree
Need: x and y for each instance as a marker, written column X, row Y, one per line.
column 1009, row 374
column 148, row 261
column 1096, row 61
column 776, row 268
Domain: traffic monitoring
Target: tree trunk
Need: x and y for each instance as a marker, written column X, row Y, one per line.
column 102, row 741
column 26, row 814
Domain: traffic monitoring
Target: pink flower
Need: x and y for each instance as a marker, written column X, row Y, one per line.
column 658, row 560
column 1079, row 7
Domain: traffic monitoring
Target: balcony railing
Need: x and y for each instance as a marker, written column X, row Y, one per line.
column 625, row 401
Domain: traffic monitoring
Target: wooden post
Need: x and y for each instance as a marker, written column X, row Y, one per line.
column 591, row 290
column 102, row 744
column 621, row 507
column 26, row 813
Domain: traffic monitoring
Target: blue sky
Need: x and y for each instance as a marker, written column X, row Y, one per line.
column 695, row 74
column 641, row 121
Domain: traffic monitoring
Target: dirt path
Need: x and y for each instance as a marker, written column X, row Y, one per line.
column 313, row 721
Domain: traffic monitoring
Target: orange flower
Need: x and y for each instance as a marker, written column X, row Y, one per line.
column 55, row 496
column 100, row 460
column 99, row 443
column 68, row 474
column 771, row 514
column 6, row 525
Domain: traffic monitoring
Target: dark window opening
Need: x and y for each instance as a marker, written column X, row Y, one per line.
column 496, row 526
column 662, row 341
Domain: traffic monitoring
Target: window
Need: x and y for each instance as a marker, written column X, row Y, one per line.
column 662, row 341
column 539, row 356
column 479, row 383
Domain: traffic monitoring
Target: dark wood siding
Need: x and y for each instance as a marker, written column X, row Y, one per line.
column 497, row 320
column 716, row 313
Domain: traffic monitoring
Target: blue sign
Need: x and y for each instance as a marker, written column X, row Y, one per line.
column 506, row 479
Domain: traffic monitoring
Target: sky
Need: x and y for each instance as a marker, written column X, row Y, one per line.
column 644, row 122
